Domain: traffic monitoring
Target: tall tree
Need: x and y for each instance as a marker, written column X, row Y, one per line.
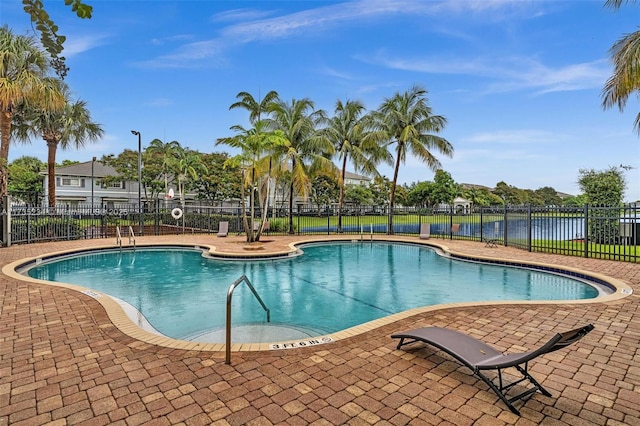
column 409, row 126
column 25, row 179
column 188, row 167
column 348, row 131
column 549, row 196
column 257, row 145
column 359, row 195
column 65, row 128
column 625, row 80
column 421, row 194
column 255, row 107
column 218, row 182
column 445, row 189
column 324, row 191
column 166, row 154
column 23, row 78
column 303, row 151
column 603, row 188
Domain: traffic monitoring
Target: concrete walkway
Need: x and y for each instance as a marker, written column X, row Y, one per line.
column 63, row 361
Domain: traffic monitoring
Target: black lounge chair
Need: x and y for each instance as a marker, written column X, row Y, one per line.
column 479, row 356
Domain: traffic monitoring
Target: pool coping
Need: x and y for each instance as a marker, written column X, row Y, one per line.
column 124, row 323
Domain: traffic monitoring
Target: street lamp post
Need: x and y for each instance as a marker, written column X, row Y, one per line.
column 93, row 161
column 141, row 223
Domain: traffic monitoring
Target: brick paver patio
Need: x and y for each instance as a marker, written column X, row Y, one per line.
column 63, row 362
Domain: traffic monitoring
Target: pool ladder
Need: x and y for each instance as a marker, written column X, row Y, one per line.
column 236, row 283
column 132, row 237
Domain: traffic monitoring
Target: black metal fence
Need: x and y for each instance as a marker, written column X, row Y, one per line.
column 588, row 231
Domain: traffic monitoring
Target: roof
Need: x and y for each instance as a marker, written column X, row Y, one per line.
column 84, row 169
column 349, row 175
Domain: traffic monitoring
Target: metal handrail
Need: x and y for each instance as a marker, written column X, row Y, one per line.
column 236, row 283
column 132, row 236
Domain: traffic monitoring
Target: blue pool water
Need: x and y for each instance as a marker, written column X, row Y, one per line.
column 330, row 287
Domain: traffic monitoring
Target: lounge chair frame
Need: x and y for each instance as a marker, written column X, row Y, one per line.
column 479, row 356
column 491, row 242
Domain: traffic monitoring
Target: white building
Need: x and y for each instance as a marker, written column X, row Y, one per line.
column 81, row 185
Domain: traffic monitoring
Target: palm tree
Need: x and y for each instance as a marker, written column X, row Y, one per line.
column 168, row 155
column 348, row 131
column 255, row 108
column 297, row 120
column 23, row 68
column 408, row 123
column 188, row 166
column 475, row 195
column 68, row 127
column 625, row 55
column 257, row 145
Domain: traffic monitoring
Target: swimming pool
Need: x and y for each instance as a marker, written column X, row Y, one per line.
column 330, row 287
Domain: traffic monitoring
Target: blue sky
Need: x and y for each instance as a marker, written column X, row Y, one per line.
column 518, row 81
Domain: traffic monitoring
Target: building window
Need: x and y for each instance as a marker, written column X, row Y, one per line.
column 119, row 185
column 72, row 182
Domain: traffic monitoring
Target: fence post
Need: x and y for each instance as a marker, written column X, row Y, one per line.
column 6, row 221
column 156, row 218
column 450, row 222
column 529, row 227
column 481, row 224
column 328, row 221
column 504, row 226
column 585, row 231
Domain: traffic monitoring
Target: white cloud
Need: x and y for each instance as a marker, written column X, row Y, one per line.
column 239, row 15
column 515, row 137
column 160, row 102
column 175, row 38
column 511, row 74
column 188, row 56
column 256, row 28
column 79, row 44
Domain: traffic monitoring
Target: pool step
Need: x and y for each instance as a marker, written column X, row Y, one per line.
column 254, row 333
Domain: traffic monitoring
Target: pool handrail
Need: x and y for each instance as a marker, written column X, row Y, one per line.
column 118, row 236
column 236, row 283
column 132, row 236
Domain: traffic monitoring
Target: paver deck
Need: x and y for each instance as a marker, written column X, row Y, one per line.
column 64, row 362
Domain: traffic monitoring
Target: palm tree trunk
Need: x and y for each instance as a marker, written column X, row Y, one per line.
column 5, row 131
column 392, row 196
column 252, row 201
column 245, row 222
column 293, row 166
column 52, row 146
column 265, row 209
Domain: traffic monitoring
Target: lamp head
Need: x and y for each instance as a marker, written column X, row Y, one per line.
column 135, row 132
